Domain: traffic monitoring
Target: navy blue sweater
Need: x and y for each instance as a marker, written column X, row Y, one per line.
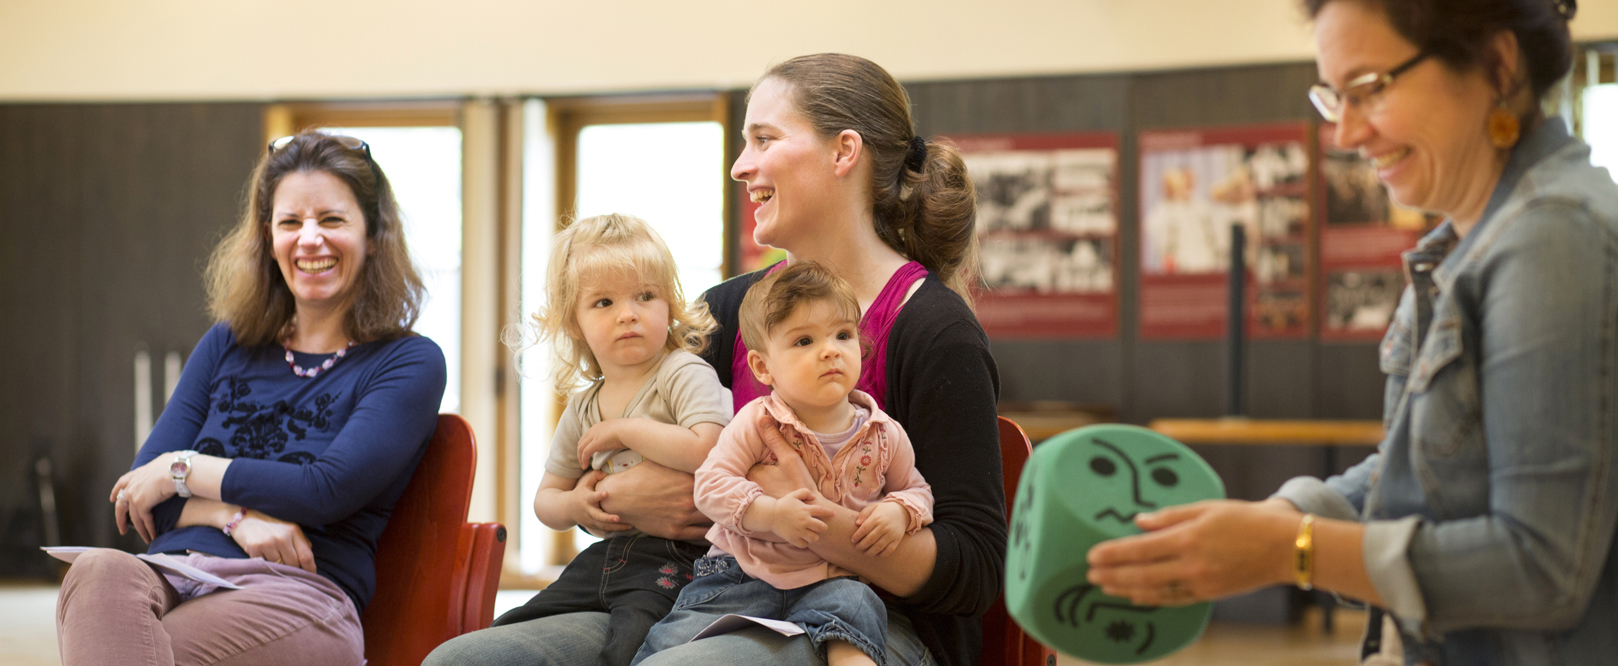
column 331, row 453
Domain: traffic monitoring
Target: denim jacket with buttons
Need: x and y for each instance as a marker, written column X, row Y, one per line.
column 1491, row 504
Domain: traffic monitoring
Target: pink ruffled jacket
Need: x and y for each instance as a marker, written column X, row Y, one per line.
column 876, row 465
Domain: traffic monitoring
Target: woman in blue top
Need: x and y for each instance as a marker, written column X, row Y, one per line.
column 294, row 429
column 1483, row 527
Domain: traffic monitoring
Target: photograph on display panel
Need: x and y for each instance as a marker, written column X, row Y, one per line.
column 1361, row 242
column 1194, row 186
column 1047, row 225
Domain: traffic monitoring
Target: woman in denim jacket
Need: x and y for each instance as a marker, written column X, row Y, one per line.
column 1483, row 527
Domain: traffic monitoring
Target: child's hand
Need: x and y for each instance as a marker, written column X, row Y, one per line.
column 586, row 501
column 797, row 519
column 881, row 528
column 602, row 436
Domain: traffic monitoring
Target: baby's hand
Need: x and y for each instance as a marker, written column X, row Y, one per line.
column 797, row 519
column 881, row 528
column 602, row 436
column 587, row 506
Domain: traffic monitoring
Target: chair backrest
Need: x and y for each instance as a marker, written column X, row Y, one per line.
column 1014, row 452
column 421, row 566
column 1002, row 638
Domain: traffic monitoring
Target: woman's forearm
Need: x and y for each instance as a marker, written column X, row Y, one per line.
column 656, row 500
column 902, row 573
column 206, row 512
column 1340, row 560
column 1339, row 555
column 204, row 481
column 207, row 476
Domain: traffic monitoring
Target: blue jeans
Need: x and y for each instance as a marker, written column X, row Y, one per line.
column 576, row 639
column 635, row 578
column 837, row 609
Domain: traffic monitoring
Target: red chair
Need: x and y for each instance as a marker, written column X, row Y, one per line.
column 436, row 574
column 1004, row 643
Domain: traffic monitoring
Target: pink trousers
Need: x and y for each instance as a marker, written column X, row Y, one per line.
column 116, row 609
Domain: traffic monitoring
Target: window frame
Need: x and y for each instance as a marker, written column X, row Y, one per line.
column 568, row 116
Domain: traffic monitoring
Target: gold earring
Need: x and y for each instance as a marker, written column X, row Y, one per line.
column 1504, row 127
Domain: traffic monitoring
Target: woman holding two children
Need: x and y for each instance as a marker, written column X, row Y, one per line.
column 832, row 155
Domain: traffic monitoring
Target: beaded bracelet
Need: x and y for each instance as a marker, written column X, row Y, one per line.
column 231, row 526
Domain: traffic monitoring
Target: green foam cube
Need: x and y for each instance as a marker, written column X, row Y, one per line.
column 1081, row 488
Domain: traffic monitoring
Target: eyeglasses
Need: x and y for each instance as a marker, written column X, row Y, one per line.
column 1361, row 91
column 348, row 142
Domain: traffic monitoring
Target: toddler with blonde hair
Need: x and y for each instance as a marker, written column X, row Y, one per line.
column 625, row 339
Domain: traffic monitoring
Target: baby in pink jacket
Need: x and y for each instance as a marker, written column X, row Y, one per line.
column 801, row 325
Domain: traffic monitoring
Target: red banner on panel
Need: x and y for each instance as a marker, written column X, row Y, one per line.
column 1365, row 232
column 1048, row 230
column 1194, row 186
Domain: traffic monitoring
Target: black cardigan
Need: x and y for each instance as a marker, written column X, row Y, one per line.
column 942, row 387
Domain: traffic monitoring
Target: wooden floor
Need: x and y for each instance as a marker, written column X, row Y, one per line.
column 28, row 625
column 28, row 636
column 1303, row 644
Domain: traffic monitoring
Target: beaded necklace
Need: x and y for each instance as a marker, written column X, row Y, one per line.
column 311, row 372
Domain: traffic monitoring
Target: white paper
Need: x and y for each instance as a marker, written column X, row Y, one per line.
column 733, row 622
column 65, row 553
column 161, row 561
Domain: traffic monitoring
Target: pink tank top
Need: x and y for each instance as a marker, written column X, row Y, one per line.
column 876, row 323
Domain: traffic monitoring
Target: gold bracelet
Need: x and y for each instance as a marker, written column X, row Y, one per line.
column 1303, row 553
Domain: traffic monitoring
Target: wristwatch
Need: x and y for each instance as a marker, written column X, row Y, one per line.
column 179, row 470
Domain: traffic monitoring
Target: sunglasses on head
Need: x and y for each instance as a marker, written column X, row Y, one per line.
column 348, row 142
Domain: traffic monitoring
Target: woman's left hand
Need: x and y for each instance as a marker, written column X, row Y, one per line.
column 1198, row 552
column 137, row 491
column 788, row 473
column 274, row 540
column 656, row 500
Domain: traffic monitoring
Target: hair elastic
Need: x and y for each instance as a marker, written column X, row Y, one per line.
column 916, row 160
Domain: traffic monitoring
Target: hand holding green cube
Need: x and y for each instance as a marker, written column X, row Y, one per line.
column 1078, row 489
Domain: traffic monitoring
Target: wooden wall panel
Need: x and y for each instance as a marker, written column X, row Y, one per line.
column 1087, row 372
column 107, row 215
column 1143, row 380
column 1281, row 377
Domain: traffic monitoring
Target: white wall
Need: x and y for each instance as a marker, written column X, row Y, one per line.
column 81, row 50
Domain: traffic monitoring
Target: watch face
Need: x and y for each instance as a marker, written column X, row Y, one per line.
column 178, row 468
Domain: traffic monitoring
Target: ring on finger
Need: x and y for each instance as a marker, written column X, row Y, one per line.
column 1175, row 593
column 123, row 495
